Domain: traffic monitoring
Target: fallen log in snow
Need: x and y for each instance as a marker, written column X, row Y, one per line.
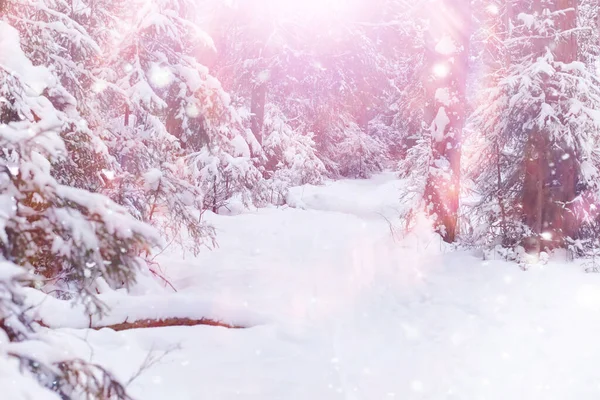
column 126, row 311
column 157, row 323
column 152, row 323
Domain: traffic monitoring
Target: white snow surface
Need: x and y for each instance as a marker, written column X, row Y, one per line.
column 347, row 311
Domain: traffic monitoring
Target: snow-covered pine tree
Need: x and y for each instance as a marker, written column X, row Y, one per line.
column 55, row 35
column 588, row 35
column 537, row 131
column 432, row 108
column 249, row 43
column 62, row 232
column 351, row 74
column 260, row 60
column 398, row 120
column 291, row 159
column 71, row 236
column 447, row 55
column 281, row 56
column 401, row 122
column 179, row 144
column 494, row 212
column 358, row 153
column 33, row 368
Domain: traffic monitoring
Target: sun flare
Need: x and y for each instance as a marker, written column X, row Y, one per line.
column 441, row 70
column 309, row 9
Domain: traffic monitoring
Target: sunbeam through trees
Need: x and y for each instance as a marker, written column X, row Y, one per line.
column 132, row 132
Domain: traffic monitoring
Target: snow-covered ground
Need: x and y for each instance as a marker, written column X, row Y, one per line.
column 345, row 310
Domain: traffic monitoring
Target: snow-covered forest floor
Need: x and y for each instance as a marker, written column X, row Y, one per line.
column 342, row 309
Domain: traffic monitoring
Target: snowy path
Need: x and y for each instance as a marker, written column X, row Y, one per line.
column 356, row 315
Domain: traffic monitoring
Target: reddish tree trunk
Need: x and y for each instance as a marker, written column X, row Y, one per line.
column 533, row 189
column 566, row 47
column 550, row 168
column 448, row 59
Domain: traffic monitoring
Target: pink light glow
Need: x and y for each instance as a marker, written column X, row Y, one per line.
column 309, row 9
column 307, row 6
column 441, row 70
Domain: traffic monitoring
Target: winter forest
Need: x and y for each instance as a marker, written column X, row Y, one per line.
column 299, row 199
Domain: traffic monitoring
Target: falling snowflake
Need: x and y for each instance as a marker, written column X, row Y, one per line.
column 160, row 77
column 192, row 111
column 99, row 86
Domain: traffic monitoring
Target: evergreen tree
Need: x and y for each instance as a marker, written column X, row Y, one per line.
column 431, row 108
column 43, row 373
column 291, row 159
column 178, row 143
column 55, row 35
column 65, row 233
column 61, row 231
column 447, row 55
column 271, row 56
column 536, row 131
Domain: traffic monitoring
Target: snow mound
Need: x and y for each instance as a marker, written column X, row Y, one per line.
column 375, row 197
column 55, row 313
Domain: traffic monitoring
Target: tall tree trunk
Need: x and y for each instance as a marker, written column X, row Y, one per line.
column 566, row 46
column 448, row 59
column 257, row 108
column 551, row 170
column 566, row 169
column 533, row 189
column 497, row 59
column 127, row 114
column 500, row 198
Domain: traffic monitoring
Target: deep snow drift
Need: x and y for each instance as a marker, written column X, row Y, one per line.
column 345, row 310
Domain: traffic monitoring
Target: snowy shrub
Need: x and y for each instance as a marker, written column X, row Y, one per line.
column 291, row 158
column 346, row 150
column 359, row 155
column 156, row 185
column 30, row 366
column 223, row 176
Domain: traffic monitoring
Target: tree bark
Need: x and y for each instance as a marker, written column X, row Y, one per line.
column 448, row 59
column 566, row 170
column 127, row 113
column 550, row 168
column 257, row 108
column 533, row 189
column 566, row 46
